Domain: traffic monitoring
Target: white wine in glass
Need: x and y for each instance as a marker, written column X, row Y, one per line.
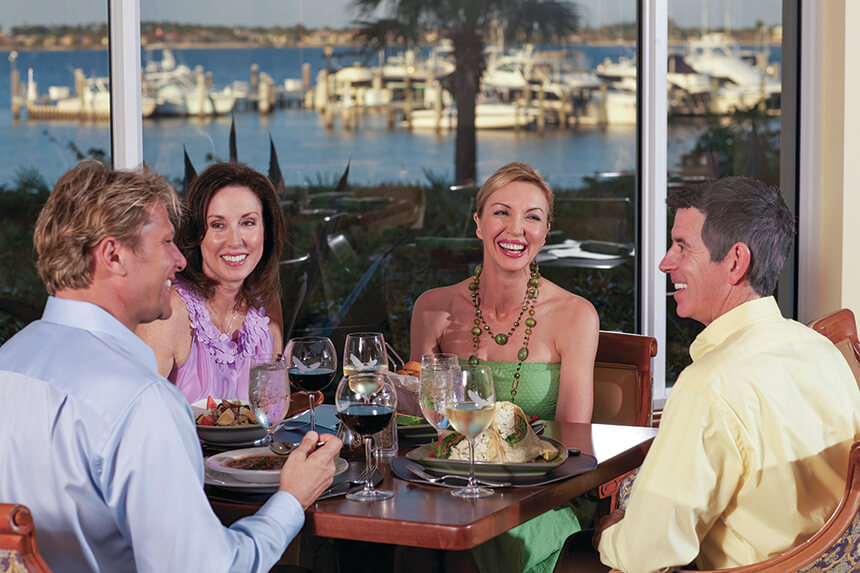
column 364, row 352
column 471, row 408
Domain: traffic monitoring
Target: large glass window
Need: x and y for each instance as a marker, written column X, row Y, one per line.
column 725, row 95
column 358, row 254
column 54, row 83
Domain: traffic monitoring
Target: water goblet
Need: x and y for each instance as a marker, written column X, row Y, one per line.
column 366, row 403
column 268, row 391
column 312, row 363
column 471, row 407
column 438, row 372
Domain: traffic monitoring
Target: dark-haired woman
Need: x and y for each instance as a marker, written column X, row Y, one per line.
column 226, row 303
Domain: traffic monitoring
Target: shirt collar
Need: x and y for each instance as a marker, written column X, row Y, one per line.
column 93, row 318
column 732, row 321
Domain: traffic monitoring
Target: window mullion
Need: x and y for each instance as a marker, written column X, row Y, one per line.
column 126, row 122
column 653, row 148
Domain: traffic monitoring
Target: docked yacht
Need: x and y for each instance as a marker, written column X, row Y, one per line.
column 180, row 91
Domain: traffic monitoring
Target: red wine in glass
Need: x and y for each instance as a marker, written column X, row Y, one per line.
column 367, row 420
column 312, row 362
column 311, row 380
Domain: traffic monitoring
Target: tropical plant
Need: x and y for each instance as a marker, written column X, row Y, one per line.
column 21, row 292
column 468, row 24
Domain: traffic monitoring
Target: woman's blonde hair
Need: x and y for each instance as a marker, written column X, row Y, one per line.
column 88, row 204
column 515, row 171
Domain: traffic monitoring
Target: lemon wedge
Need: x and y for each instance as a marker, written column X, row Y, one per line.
column 226, row 418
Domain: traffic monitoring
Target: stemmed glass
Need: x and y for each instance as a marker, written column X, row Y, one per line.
column 312, row 363
column 471, row 407
column 438, row 373
column 366, row 402
column 364, row 352
column 268, row 391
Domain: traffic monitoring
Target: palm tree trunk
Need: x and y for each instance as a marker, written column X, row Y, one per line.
column 468, row 54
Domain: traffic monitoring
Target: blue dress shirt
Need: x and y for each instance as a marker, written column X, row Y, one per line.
column 104, row 452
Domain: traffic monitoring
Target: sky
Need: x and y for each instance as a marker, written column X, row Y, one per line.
column 339, row 13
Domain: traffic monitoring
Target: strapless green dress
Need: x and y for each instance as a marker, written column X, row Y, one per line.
column 537, row 392
column 534, row 546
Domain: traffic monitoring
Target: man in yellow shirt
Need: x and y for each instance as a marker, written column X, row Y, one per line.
column 752, row 453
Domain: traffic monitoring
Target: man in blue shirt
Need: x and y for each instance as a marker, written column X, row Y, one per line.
column 101, row 448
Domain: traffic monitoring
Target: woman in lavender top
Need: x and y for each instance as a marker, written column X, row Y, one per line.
column 226, row 303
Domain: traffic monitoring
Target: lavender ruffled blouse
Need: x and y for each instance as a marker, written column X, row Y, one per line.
column 218, row 366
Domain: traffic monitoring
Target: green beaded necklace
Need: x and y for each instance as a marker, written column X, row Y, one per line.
column 501, row 339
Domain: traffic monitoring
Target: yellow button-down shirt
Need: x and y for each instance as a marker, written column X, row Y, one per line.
column 752, row 453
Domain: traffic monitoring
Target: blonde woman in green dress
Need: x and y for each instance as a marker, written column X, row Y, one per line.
column 539, row 340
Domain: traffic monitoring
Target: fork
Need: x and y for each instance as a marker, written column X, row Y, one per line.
column 441, row 479
column 362, row 477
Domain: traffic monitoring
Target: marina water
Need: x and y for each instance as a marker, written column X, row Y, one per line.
column 308, row 153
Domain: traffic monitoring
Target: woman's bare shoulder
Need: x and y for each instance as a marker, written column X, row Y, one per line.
column 440, row 298
column 568, row 306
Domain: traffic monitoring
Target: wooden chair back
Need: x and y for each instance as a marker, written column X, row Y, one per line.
column 622, row 379
column 622, row 395
column 841, row 328
column 18, row 551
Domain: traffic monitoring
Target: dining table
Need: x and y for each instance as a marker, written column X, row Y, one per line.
column 428, row 516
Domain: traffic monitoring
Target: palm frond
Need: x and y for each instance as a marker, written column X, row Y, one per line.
column 190, row 172
column 234, row 155
column 377, row 34
column 540, row 20
column 275, row 175
column 341, row 185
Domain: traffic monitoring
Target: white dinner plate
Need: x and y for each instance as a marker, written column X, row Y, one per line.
column 226, row 435
column 214, row 477
column 219, row 463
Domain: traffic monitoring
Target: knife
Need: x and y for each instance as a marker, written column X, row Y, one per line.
column 335, row 490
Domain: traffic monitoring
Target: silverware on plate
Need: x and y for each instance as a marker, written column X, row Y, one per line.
column 441, row 479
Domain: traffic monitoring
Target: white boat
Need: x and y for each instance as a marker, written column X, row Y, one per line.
column 538, row 80
column 92, row 102
column 398, row 67
column 487, row 116
column 622, row 75
column 179, row 91
column 181, row 96
column 741, row 85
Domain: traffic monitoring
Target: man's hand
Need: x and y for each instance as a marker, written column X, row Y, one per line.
column 309, row 470
column 606, row 521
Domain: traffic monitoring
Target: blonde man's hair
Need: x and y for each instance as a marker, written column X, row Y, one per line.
column 88, row 204
column 515, row 171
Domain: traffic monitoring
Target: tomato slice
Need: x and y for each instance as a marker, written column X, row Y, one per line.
column 210, row 403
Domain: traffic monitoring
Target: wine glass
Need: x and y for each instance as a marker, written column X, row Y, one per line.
column 366, row 402
column 438, row 373
column 471, row 407
column 268, row 391
column 312, row 363
column 364, row 352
